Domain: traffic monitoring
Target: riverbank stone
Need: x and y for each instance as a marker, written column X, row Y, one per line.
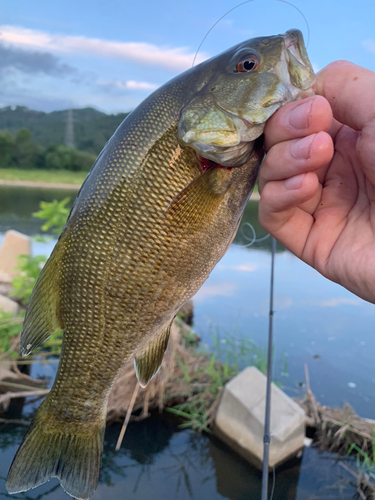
column 14, row 244
column 239, row 421
column 8, row 305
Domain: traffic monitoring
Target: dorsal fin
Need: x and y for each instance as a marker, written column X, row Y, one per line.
column 147, row 361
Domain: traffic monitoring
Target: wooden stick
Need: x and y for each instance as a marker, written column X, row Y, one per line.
column 11, row 349
column 25, row 376
column 127, row 418
column 4, row 398
column 13, row 421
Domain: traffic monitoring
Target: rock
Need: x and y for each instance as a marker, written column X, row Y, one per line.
column 239, row 420
column 14, row 244
column 5, row 289
column 186, row 312
column 8, row 305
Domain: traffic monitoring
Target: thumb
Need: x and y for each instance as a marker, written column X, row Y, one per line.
column 350, row 91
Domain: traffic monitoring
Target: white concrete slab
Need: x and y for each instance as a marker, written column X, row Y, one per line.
column 14, row 244
column 240, row 419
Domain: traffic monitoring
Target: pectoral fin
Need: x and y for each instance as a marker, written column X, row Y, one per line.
column 195, row 204
column 147, row 362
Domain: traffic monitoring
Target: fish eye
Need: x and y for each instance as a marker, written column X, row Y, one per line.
column 249, row 63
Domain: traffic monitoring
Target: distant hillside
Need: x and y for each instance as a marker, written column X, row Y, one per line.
column 92, row 128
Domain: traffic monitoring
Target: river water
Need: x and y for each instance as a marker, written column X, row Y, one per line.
column 316, row 322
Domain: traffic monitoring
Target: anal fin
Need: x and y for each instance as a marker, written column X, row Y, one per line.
column 148, row 361
column 42, row 316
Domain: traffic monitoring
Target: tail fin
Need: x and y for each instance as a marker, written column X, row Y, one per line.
column 47, row 452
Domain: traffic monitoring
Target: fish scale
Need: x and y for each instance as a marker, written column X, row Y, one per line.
column 147, row 227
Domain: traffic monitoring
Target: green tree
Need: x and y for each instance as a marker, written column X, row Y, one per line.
column 7, row 145
column 82, row 161
column 67, row 158
column 28, row 154
column 58, row 158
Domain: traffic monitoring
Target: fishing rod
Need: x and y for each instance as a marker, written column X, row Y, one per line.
column 267, row 418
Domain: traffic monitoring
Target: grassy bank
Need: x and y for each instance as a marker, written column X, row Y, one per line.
column 49, row 176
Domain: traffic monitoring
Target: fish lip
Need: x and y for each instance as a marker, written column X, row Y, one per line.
column 294, row 56
column 292, row 40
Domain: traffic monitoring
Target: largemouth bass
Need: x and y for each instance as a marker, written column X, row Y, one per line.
column 157, row 211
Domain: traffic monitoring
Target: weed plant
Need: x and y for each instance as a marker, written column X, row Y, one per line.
column 203, row 380
column 10, row 328
column 364, row 460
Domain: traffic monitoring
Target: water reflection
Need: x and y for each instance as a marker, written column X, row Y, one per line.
column 316, row 322
column 17, row 205
column 157, row 460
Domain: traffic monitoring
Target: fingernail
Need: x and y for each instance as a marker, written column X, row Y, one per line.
column 294, row 182
column 300, row 116
column 301, row 147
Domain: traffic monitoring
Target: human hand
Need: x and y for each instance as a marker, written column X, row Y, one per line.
column 317, row 182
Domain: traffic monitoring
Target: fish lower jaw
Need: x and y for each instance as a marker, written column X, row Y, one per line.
column 234, row 156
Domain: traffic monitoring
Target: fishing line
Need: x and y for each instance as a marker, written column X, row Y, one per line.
column 267, row 419
column 243, row 3
column 254, row 238
column 273, row 482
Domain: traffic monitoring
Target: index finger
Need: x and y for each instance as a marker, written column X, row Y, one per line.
column 350, row 91
column 298, row 119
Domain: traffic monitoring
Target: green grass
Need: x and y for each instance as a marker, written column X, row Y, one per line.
column 51, row 176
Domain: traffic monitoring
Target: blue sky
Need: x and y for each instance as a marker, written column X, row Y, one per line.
column 111, row 54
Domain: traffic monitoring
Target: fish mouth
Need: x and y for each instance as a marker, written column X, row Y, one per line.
column 294, row 68
column 295, row 46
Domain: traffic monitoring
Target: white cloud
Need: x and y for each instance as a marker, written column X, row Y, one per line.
column 175, row 59
column 245, row 267
column 369, row 45
column 283, row 303
column 334, row 302
column 248, row 267
column 218, row 290
column 129, row 84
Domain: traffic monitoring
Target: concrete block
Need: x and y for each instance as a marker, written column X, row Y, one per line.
column 6, row 372
column 8, row 305
column 239, row 420
column 14, row 244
